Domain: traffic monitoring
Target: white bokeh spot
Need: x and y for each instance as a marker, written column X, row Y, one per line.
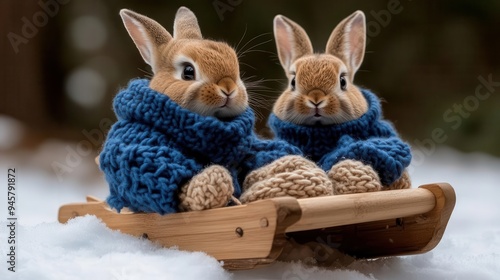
column 86, row 87
column 88, row 33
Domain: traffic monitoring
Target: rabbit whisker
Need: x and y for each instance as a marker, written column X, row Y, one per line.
column 251, row 40
column 252, row 49
column 248, row 65
column 241, row 39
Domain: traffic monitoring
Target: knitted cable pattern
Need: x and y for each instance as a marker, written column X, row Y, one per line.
column 404, row 182
column 288, row 176
column 352, row 176
column 369, row 139
column 156, row 147
column 212, row 188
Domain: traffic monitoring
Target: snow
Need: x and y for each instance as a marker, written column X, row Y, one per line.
column 85, row 249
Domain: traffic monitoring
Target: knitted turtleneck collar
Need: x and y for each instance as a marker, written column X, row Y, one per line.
column 208, row 136
column 317, row 140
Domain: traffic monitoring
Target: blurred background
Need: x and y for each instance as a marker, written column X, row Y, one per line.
column 433, row 63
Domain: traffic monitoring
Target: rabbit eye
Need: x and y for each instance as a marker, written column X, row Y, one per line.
column 188, row 74
column 343, row 82
column 292, row 83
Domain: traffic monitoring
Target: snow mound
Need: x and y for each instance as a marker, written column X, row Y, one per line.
column 85, row 248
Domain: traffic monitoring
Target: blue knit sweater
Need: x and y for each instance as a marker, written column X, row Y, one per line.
column 156, row 146
column 369, row 139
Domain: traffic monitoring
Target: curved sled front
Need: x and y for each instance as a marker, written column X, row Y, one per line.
column 368, row 225
column 396, row 235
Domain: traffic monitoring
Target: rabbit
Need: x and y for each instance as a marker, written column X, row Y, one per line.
column 334, row 122
column 184, row 140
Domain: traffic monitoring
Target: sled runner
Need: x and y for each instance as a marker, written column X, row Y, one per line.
column 367, row 225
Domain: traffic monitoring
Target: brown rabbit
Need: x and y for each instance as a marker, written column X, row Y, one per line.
column 329, row 118
column 200, row 75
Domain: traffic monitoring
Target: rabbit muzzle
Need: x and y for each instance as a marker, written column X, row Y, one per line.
column 228, row 87
column 231, row 99
column 316, row 100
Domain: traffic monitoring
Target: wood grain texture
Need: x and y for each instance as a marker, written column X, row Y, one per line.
column 370, row 225
column 409, row 235
column 321, row 212
column 254, row 232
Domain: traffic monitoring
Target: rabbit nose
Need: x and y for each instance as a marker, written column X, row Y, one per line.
column 227, row 86
column 316, row 97
column 316, row 104
column 228, row 94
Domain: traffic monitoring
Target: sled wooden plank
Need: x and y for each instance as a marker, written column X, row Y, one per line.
column 243, row 236
column 91, row 198
column 414, row 234
column 328, row 211
column 366, row 225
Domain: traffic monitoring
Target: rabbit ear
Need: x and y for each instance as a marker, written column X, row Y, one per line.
column 291, row 40
column 186, row 25
column 348, row 40
column 146, row 33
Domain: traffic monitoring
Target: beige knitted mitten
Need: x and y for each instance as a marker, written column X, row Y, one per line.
column 211, row 188
column 404, row 182
column 352, row 176
column 288, row 176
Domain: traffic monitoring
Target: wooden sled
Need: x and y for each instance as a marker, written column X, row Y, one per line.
column 368, row 225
